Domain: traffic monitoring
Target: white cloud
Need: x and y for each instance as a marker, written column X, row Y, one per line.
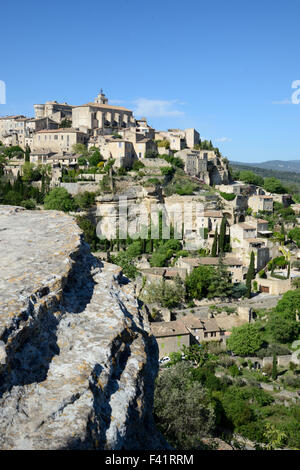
column 223, row 139
column 286, row 101
column 156, row 108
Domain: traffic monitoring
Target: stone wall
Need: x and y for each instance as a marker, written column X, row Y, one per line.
column 78, row 361
column 80, row 187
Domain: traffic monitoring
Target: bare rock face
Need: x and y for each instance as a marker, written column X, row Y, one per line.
column 77, row 360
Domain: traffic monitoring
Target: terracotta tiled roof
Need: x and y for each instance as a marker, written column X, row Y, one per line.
column 217, row 214
column 61, row 130
column 169, row 328
column 104, row 106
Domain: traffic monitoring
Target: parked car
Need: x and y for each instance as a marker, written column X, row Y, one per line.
column 164, row 360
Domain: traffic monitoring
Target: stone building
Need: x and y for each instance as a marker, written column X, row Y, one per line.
column 233, row 265
column 53, row 110
column 205, row 165
column 261, row 203
column 13, row 130
column 100, row 115
column 203, row 330
column 244, row 239
column 39, row 124
column 179, row 139
column 170, row 336
column 58, row 140
column 273, row 286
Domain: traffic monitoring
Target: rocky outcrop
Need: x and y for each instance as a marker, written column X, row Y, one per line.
column 77, row 360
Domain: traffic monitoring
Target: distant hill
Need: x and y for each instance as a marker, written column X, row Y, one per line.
column 276, row 165
column 290, row 179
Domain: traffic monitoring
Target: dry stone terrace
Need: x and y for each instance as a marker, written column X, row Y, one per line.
column 77, row 359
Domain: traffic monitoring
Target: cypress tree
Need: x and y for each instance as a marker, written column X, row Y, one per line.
column 214, row 248
column 222, row 237
column 282, row 231
column 274, row 368
column 250, row 275
column 27, row 154
column 289, row 270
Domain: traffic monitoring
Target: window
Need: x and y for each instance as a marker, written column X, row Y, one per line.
column 56, row 137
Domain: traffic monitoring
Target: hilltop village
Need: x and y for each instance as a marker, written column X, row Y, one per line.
column 96, row 152
column 228, row 282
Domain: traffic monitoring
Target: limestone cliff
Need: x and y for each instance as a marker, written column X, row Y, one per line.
column 77, row 360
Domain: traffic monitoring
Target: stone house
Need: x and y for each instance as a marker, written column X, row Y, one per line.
column 176, row 137
column 64, row 159
column 170, row 336
column 40, row 157
column 273, row 286
column 234, row 265
column 38, row 124
column 13, row 130
column 261, row 203
column 58, row 140
column 142, row 128
column 203, row 330
column 244, row 239
column 157, row 274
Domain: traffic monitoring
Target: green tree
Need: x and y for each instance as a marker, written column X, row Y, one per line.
column 220, row 283
column 250, row 275
column 222, row 238
column 245, row 340
column 273, row 185
column 214, row 248
column 294, row 235
column 65, row 123
column 80, row 149
column 59, row 199
column 27, row 154
column 198, row 282
column 95, row 158
column 89, row 231
column 274, row 367
column 274, row 437
column 289, row 305
column 165, row 294
column 85, row 200
column 282, row 329
column 182, row 408
column 251, row 178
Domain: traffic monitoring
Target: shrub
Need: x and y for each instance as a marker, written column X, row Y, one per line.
column 85, row 200
column 292, row 381
column 245, row 340
column 29, row 204
column 228, row 196
column 138, row 165
column 226, row 361
column 234, row 370
column 182, row 408
column 151, row 154
column 59, row 199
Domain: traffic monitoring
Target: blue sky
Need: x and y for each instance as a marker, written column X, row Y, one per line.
column 225, row 68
